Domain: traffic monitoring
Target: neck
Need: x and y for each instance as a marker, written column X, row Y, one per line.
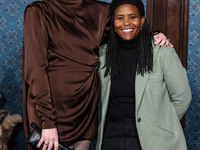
column 131, row 44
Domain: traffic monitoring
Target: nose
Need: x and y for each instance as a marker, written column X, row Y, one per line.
column 126, row 22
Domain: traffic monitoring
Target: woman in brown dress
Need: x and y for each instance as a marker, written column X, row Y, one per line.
column 60, row 81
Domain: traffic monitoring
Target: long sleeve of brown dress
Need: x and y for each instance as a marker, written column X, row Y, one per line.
column 60, row 54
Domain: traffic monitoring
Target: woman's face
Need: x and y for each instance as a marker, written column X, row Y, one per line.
column 127, row 21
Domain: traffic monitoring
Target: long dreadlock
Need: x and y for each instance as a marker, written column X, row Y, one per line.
column 112, row 54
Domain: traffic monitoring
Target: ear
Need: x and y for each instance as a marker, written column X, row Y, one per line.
column 142, row 21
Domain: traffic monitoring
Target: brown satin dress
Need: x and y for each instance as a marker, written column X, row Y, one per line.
column 60, row 54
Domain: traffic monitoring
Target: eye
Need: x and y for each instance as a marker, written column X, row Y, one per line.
column 119, row 18
column 132, row 17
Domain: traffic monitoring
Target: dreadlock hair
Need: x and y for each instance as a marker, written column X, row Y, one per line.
column 144, row 56
column 112, row 54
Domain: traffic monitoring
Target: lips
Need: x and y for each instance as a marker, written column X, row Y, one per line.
column 127, row 30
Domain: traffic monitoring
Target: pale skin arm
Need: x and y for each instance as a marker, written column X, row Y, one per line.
column 49, row 138
column 161, row 39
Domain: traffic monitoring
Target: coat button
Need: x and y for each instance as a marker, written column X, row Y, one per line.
column 139, row 119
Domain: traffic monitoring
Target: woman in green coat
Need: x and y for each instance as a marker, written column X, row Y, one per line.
column 144, row 88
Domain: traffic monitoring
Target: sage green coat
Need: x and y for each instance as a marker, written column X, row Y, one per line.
column 162, row 97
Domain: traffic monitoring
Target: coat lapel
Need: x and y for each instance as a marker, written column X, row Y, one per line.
column 140, row 82
column 101, row 67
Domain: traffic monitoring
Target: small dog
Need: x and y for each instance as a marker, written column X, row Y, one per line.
column 8, row 123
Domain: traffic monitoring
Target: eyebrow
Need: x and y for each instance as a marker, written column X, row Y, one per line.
column 128, row 14
column 120, row 15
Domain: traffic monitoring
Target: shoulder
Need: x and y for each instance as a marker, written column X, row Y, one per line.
column 38, row 6
column 163, row 51
column 37, row 9
column 99, row 3
column 35, row 12
column 163, row 55
column 102, row 6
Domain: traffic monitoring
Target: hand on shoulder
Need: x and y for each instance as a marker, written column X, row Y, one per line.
column 161, row 39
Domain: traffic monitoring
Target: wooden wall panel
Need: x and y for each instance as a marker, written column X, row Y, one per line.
column 161, row 13
column 171, row 17
column 173, row 23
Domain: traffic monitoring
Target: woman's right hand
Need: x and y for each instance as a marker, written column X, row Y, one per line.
column 49, row 138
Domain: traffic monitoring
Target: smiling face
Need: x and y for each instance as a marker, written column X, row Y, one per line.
column 127, row 21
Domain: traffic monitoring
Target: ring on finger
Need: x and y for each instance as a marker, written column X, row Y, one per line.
column 46, row 143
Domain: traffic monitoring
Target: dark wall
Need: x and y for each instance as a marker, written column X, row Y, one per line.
column 171, row 17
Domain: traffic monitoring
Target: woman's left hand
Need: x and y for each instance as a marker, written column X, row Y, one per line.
column 49, row 138
column 161, row 39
